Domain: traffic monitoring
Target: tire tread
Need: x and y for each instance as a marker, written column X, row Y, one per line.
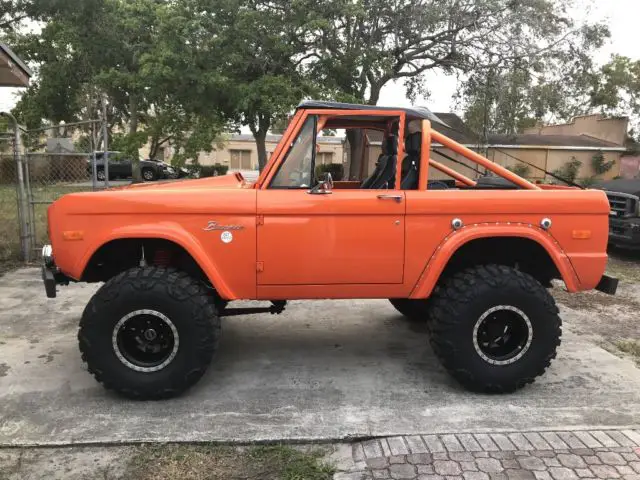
column 447, row 306
column 180, row 287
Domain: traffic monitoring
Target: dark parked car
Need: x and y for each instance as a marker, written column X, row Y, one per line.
column 624, row 218
column 121, row 167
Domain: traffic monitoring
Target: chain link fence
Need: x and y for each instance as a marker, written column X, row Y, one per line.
column 9, row 198
column 36, row 168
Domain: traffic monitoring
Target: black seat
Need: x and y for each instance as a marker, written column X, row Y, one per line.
column 381, row 163
column 385, row 166
column 411, row 162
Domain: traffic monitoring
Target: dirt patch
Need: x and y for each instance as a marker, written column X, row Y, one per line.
column 9, row 265
column 624, row 264
column 199, row 462
column 4, row 368
column 611, row 320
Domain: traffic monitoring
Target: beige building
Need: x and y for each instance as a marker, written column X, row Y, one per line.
column 547, row 147
column 239, row 152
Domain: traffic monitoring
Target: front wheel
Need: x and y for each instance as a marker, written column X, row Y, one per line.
column 148, row 175
column 494, row 328
column 149, row 333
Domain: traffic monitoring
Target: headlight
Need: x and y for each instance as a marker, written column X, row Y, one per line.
column 169, row 169
column 47, row 255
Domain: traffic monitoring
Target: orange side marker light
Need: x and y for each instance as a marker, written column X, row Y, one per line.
column 73, row 235
column 581, row 234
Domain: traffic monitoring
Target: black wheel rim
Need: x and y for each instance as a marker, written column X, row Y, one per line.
column 145, row 340
column 502, row 335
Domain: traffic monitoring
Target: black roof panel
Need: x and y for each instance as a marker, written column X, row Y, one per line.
column 415, row 112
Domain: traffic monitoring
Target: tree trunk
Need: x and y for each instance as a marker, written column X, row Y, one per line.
column 356, row 141
column 355, row 137
column 261, row 144
column 259, row 130
column 374, row 95
column 154, row 147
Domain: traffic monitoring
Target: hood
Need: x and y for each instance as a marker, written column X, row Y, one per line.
column 233, row 180
column 183, row 196
column 622, row 185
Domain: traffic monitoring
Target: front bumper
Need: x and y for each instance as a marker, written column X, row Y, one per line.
column 51, row 275
column 624, row 232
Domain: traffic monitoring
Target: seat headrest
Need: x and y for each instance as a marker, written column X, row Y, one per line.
column 412, row 143
column 390, row 145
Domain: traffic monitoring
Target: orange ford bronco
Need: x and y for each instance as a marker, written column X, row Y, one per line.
column 471, row 258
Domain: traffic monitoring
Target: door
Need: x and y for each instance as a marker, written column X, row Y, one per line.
column 346, row 237
column 314, row 237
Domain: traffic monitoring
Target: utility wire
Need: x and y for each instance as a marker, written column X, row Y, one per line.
column 553, row 175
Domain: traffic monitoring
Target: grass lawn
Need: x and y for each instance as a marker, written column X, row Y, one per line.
column 200, row 462
column 9, row 222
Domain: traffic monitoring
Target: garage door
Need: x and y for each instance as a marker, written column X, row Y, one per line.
column 241, row 160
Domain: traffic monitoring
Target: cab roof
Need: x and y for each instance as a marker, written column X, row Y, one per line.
column 412, row 112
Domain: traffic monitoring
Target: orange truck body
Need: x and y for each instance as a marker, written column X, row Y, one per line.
column 289, row 244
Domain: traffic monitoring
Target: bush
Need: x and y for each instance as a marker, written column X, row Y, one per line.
column 211, row 170
column 569, row 171
column 588, row 182
column 520, row 169
column 335, row 169
column 599, row 165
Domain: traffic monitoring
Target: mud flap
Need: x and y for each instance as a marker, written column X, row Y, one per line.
column 608, row 285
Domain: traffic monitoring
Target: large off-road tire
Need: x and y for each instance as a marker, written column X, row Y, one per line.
column 494, row 328
column 416, row 310
column 149, row 333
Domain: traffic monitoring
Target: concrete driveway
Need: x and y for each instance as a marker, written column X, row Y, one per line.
column 322, row 370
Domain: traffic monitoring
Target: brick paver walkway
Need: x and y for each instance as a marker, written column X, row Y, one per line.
column 604, row 454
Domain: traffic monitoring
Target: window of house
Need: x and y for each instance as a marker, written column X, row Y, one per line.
column 240, row 160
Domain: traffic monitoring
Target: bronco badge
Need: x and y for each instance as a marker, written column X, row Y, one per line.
column 213, row 225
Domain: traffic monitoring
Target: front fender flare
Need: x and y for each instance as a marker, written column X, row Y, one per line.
column 458, row 238
column 172, row 232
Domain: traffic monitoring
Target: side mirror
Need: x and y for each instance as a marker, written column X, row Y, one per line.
column 324, row 187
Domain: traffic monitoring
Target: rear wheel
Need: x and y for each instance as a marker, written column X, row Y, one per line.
column 417, row 309
column 494, row 328
column 100, row 175
column 149, row 333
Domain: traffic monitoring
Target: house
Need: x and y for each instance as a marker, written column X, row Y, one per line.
column 547, row 147
column 239, row 151
column 13, row 71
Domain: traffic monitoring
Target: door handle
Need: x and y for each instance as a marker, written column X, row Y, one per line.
column 397, row 198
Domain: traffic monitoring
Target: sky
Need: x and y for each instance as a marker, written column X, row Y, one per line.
column 621, row 16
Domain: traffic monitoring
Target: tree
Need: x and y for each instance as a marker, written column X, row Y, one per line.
column 109, row 47
column 361, row 45
column 616, row 90
column 254, row 50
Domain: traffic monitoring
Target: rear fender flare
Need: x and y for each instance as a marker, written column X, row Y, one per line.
column 172, row 232
column 456, row 239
